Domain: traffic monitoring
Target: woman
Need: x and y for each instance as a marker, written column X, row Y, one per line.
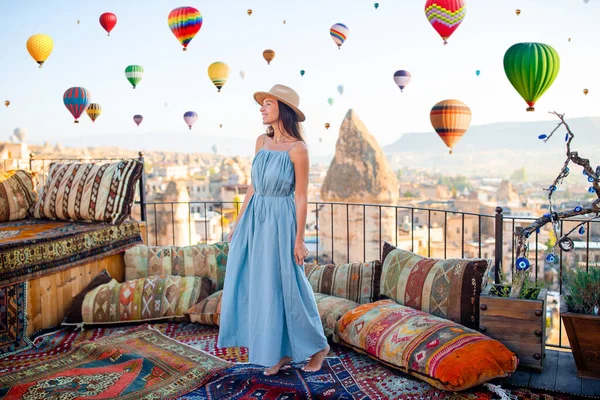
column 268, row 305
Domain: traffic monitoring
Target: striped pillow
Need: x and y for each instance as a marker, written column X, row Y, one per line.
column 358, row 282
column 89, row 192
column 17, row 194
column 445, row 288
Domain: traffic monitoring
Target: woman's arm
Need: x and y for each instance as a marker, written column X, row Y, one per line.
column 299, row 156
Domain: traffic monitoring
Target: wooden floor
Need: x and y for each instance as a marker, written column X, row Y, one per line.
column 559, row 374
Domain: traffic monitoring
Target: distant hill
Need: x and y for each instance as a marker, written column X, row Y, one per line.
column 498, row 149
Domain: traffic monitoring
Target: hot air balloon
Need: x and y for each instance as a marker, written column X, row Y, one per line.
column 269, row 55
column 531, row 68
column 76, row 100
column 249, row 12
column 445, row 16
column 220, row 125
column 339, row 34
column 569, row 39
column 11, row 139
column 7, row 103
column 108, row 21
column 402, row 78
column 340, row 89
column 93, row 111
column 302, row 72
column 376, row 5
column 20, row 134
column 39, row 47
column 138, row 119
column 518, row 12
column 327, row 125
column 478, row 72
column 330, row 101
column 284, row 21
column 585, row 91
column 215, row 148
column 242, row 74
column 190, row 118
column 218, row 72
column 586, row 1
column 134, row 74
column 320, row 140
column 77, row 22
column 185, row 22
column 450, row 119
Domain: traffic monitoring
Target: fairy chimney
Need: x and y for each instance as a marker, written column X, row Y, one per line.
column 359, row 173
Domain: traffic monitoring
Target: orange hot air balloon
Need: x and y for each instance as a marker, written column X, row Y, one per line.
column 249, row 12
column 7, row 103
column 585, row 91
column 450, row 119
column 269, row 55
column 327, row 125
column 518, row 12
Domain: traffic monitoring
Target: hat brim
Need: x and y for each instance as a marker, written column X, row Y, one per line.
column 261, row 96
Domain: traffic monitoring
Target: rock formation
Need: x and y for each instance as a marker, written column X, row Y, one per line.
column 359, row 173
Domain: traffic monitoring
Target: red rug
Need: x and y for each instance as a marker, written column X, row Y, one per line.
column 142, row 363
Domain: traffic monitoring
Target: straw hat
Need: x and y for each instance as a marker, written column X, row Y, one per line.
column 284, row 94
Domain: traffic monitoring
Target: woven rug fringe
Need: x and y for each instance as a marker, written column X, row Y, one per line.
column 504, row 395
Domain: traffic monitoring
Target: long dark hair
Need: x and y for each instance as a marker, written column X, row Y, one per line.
column 289, row 119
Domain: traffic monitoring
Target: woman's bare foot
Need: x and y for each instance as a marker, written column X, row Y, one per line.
column 275, row 368
column 316, row 361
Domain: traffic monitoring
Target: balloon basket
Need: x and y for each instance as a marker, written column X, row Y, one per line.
column 529, row 109
column 184, row 49
column 76, row 122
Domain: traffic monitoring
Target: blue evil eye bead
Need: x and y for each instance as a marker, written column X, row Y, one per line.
column 590, row 179
column 522, row 264
column 550, row 258
column 537, row 230
column 552, row 188
column 542, row 136
column 592, row 190
column 578, row 209
column 567, row 137
column 584, row 173
column 581, row 230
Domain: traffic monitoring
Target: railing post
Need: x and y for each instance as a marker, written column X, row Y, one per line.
column 499, row 244
column 31, row 162
column 142, row 187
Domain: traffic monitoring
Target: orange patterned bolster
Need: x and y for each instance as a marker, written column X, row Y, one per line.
column 473, row 364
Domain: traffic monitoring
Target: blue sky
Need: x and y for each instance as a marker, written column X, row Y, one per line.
column 396, row 36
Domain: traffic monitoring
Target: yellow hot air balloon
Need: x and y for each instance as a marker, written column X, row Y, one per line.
column 249, row 12
column 39, row 47
column 218, row 72
column 269, row 55
column 93, row 111
column 7, row 103
column 518, row 12
column 585, row 91
column 327, row 125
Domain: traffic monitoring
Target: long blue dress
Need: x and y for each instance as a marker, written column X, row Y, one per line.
column 268, row 304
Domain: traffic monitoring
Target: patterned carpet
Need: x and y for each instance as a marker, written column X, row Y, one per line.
column 346, row 375
column 13, row 324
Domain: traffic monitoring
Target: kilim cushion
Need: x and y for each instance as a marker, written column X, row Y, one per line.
column 207, row 311
column 89, row 192
column 438, row 351
column 331, row 309
column 207, row 260
column 144, row 299
column 445, row 288
column 357, row 281
column 17, row 194
column 73, row 314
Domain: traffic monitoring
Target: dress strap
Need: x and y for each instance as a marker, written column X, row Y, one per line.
column 292, row 146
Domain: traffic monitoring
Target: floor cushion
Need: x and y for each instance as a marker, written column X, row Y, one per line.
column 207, row 311
column 202, row 260
column 145, row 299
column 89, row 191
column 357, row 281
column 17, row 194
column 331, row 309
column 438, row 351
column 445, row 288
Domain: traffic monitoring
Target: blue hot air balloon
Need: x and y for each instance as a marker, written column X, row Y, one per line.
column 76, row 100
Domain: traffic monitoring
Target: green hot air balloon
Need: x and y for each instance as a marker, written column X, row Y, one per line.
column 134, row 74
column 531, row 68
column 330, row 101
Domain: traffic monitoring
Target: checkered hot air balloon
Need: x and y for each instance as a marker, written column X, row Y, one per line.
column 93, row 111
column 185, row 22
column 339, row 34
column 445, row 16
column 76, row 100
column 134, row 74
column 450, row 119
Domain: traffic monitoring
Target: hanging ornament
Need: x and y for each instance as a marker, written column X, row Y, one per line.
column 522, row 264
column 551, row 258
column 542, row 136
column 591, row 179
column 566, row 244
column 581, row 230
column 592, row 190
column 578, row 209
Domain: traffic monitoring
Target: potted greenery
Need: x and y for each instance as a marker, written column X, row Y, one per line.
column 580, row 312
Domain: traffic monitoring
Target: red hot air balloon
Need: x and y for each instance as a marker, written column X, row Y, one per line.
column 445, row 16
column 108, row 21
column 76, row 100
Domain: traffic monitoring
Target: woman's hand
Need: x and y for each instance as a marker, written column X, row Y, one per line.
column 300, row 251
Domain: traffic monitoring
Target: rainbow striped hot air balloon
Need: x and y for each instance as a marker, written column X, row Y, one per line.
column 134, row 74
column 93, row 111
column 185, row 22
column 445, row 16
column 190, row 118
column 402, row 78
column 76, row 100
column 218, row 72
column 339, row 34
column 450, row 119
